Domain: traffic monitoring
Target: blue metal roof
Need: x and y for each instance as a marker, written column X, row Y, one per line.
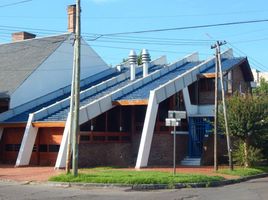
column 226, row 64
column 23, row 117
column 62, row 114
column 140, row 93
column 143, row 92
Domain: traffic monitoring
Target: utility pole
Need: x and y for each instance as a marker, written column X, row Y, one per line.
column 69, row 144
column 217, row 46
column 75, row 129
column 216, row 111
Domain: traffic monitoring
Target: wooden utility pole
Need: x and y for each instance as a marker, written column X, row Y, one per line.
column 217, row 46
column 224, row 109
column 75, row 129
column 216, row 111
column 69, row 144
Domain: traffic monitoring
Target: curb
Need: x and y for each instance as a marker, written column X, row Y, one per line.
column 156, row 186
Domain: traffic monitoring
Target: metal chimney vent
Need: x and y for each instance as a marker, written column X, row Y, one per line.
column 132, row 59
column 145, row 56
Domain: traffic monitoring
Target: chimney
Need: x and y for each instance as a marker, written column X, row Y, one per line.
column 19, row 36
column 145, row 57
column 132, row 58
column 71, row 18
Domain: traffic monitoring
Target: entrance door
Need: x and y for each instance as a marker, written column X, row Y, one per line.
column 198, row 128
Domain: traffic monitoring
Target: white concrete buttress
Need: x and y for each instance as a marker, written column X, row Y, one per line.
column 27, row 143
column 190, row 109
column 147, row 132
column 61, row 158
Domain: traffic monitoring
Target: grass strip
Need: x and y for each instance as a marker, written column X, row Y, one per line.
column 242, row 172
column 134, row 177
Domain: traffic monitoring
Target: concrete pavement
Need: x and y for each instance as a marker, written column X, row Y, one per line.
column 256, row 189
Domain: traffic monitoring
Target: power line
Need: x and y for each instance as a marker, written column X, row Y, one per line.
column 153, row 43
column 151, row 50
column 256, row 63
column 15, row 3
column 144, row 31
column 33, row 29
column 187, row 27
column 143, row 17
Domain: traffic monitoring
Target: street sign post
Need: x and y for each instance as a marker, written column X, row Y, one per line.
column 174, row 119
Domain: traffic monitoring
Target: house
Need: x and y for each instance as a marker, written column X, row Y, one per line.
column 122, row 115
column 122, row 109
column 258, row 75
column 36, row 72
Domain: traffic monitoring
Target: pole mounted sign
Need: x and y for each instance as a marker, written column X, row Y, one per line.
column 174, row 119
column 174, row 114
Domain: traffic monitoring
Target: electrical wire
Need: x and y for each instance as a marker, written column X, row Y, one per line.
column 187, row 27
column 256, row 63
column 15, row 3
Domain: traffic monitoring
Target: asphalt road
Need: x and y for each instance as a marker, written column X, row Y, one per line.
column 251, row 190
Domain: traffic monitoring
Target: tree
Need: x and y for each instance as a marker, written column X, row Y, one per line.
column 139, row 59
column 262, row 89
column 247, row 117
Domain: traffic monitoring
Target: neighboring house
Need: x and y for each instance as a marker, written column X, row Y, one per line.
column 122, row 115
column 36, row 72
column 258, row 75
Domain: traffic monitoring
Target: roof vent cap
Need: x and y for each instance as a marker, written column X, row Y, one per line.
column 132, row 58
column 145, row 56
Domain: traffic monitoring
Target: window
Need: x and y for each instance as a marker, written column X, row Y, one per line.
column 9, row 147
column 42, row 148
column 229, row 83
column 12, row 147
column 53, row 148
column 207, row 84
column 16, row 147
column 34, row 148
column 98, row 138
column 84, row 138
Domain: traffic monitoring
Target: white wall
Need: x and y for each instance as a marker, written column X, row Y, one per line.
column 56, row 72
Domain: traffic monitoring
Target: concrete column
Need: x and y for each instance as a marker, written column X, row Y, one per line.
column 191, row 109
column 61, row 158
column 147, row 132
column 27, row 143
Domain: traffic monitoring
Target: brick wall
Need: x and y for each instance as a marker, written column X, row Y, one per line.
column 125, row 154
column 162, row 149
column 9, row 144
column 105, row 154
column 208, row 150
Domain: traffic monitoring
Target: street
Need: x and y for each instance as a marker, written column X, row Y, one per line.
column 251, row 190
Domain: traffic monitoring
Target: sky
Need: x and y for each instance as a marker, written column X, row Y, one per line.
column 100, row 17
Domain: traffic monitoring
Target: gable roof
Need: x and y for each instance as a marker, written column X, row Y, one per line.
column 19, row 59
column 230, row 63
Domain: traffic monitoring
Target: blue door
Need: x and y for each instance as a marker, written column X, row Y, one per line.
column 198, row 128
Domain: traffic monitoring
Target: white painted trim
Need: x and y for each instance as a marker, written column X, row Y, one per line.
column 61, row 158
column 147, row 132
column 27, row 143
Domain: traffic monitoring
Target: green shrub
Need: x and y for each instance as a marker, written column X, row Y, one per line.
column 254, row 155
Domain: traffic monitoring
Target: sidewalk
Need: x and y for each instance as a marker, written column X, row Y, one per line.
column 41, row 174
column 38, row 173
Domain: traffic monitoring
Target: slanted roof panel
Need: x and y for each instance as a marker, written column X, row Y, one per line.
column 144, row 91
column 226, row 64
column 19, row 59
